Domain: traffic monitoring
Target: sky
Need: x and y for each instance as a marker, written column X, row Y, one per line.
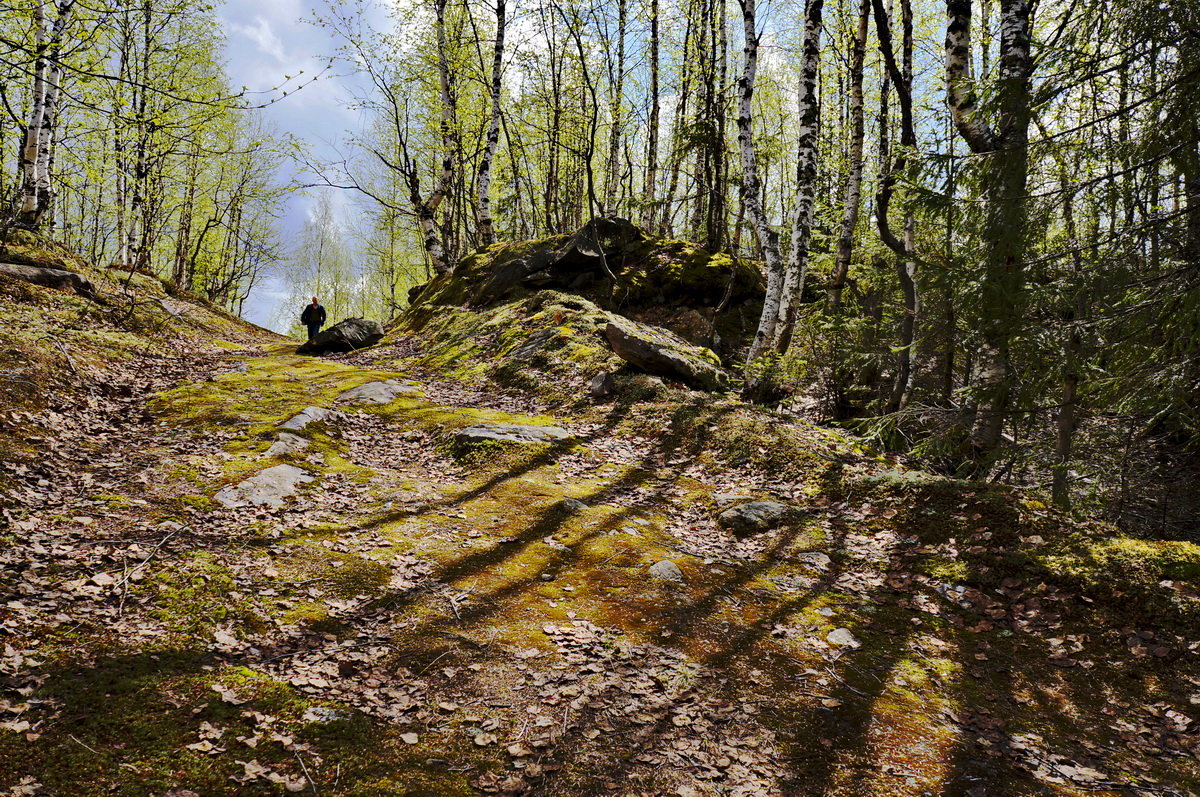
column 265, row 41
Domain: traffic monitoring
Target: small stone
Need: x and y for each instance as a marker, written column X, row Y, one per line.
column 843, row 638
column 754, row 517
column 666, row 570
column 323, row 714
column 574, row 505
column 547, row 576
column 602, row 385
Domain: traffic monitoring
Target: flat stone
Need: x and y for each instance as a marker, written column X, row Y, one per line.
column 843, row 638
column 574, row 505
column 377, row 392
column 754, row 517
column 287, row 443
column 816, row 560
column 306, row 416
column 666, row 570
column 510, row 433
column 266, row 488
column 731, row 498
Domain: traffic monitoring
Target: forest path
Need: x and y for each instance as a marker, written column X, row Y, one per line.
column 428, row 616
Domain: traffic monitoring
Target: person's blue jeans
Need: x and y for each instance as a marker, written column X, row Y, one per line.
column 313, row 329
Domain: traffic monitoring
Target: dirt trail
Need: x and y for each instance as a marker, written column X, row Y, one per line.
column 429, row 618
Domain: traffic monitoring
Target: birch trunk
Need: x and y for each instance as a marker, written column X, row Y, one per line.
column 616, row 114
column 768, row 238
column 483, row 182
column 999, row 308
column 808, row 152
column 35, row 193
column 854, row 169
column 650, row 189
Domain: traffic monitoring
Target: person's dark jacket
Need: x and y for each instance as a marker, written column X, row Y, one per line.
column 313, row 314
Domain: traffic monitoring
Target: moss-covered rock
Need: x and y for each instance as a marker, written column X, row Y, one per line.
column 707, row 298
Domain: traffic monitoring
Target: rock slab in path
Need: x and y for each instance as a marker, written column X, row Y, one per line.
column 754, row 517
column 658, row 351
column 510, row 433
column 306, row 416
column 377, row 392
column 266, row 488
column 348, row 335
column 286, row 443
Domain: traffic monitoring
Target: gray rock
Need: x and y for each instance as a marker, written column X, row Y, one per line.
column 666, row 570
column 510, row 433
column 602, row 385
column 287, row 443
column 843, row 638
column 555, row 544
column 306, row 416
column 49, row 277
column 377, row 392
column 574, row 505
column 816, row 560
column 323, row 714
column 754, row 517
column 658, row 351
column 348, row 335
column 730, row 498
column 266, row 488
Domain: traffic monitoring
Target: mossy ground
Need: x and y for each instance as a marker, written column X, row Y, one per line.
column 1001, row 646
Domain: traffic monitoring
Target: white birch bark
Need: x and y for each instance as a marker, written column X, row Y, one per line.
column 487, row 235
column 854, row 169
column 807, row 155
column 768, row 238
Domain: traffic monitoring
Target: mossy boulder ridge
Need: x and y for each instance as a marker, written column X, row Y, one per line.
column 443, row 564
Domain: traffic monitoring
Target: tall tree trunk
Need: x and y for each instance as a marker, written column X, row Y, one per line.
column 807, row 156
column 426, row 210
column 999, row 308
column 483, row 180
column 768, row 238
column 854, row 167
column 650, row 190
column 616, row 113
column 36, row 154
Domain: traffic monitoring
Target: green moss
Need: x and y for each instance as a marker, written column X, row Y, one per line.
column 195, row 595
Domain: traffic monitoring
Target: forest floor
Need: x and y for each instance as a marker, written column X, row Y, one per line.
column 426, row 619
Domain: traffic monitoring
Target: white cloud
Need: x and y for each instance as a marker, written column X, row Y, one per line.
column 263, row 35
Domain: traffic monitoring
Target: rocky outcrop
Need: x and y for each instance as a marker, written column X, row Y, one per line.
column 49, row 277
column 348, row 335
column 510, row 433
column 707, row 298
column 658, row 351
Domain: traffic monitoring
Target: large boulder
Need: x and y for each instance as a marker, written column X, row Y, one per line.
column 658, row 351
column 49, row 277
column 348, row 335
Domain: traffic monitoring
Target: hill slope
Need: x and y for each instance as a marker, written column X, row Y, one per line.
column 430, row 611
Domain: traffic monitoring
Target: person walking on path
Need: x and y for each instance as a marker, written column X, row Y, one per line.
column 313, row 317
